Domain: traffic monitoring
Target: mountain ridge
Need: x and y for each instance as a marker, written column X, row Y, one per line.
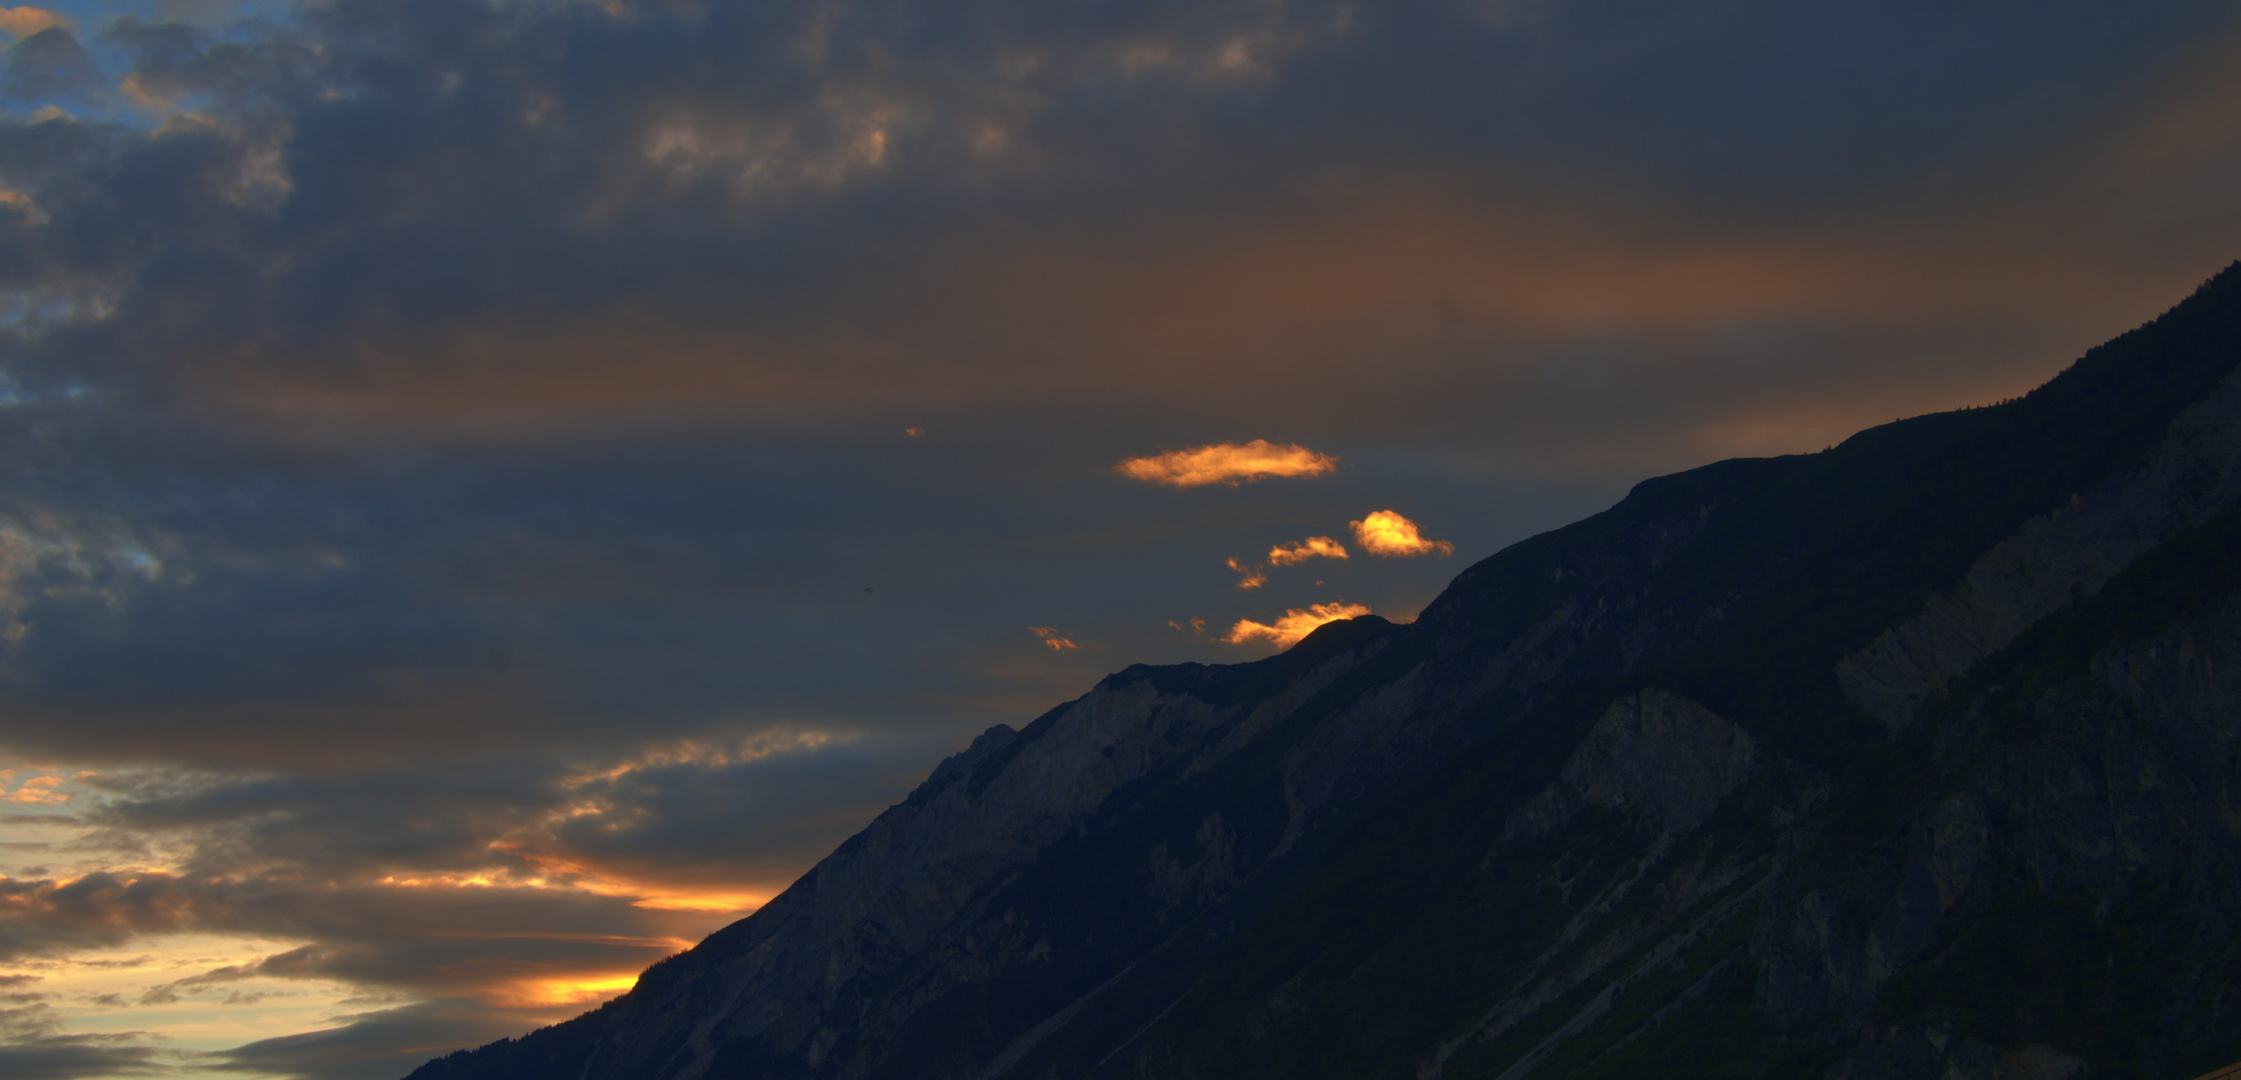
column 1724, row 753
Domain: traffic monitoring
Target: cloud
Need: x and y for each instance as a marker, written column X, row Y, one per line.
column 47, row 63
column 1051, row 637
column 1314, row 547
column 1386, row 533
column 168, row 993
column 539, row 891
column 1294, row 625
column 36, row 791
column 22, row 22
column 722, row 814
column 378, row 1045
column 33, row 1046
column 448, row 435
column 1227, row 463
column 509, row 946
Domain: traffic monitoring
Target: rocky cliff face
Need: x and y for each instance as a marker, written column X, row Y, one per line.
column 1909, row 759
column 2072, row 882
column 2055, row 558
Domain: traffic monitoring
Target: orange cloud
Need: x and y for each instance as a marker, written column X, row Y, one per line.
column 1227, row 463
column 1314, row 547
column 1252, row 576
column 1050, row 637
column 914, row 432
column 1389, row 534
column 1196, row 625
column 552, row 992
column 37, row 791
column 724, row 902
column 1295, row 624
column 25, row 21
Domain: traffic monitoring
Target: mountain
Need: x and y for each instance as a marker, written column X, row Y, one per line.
column 1913, row 758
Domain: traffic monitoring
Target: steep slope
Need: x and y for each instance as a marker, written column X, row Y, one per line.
column 1761, row 767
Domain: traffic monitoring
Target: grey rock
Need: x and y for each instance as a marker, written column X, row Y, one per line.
column 1661, row 758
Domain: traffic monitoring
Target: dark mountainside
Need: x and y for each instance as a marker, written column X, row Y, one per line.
column 1913, row 758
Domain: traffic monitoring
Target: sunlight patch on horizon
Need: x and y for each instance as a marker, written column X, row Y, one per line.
column 741, row 903
column 167, row 984
column 168, row 990
column 1294, row 625
column 567, row 991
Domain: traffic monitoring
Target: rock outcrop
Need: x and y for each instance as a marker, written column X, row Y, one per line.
column 1662, row 759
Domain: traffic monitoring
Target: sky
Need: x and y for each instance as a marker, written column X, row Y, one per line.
column 492, row 492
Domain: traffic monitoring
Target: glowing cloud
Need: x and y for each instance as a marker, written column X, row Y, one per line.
column 756, row 747
column 1389, row 534
column 25, row 21
column 914, row 432
column 1251, row 576
column 1295, row 624
column 725, row 902
column 568, row 990
column 37, row 791
column 1227, row 463
column 1196, row 625
column 1314, row 547
column 1050, row 637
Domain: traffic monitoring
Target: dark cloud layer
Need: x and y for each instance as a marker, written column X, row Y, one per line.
column 33, row 1047
column 378, row 1045
column 453, row 470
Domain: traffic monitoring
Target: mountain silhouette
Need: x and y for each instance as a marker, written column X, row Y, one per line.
column 1912, row 758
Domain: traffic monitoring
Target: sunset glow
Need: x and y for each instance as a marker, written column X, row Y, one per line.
column 1314, row 547
column 1227, row 463
column 22, row 22
column 718, row 902
column 545, row 993
column 1051, row 638
column 1388, row 534
column 1294, row 625
column 35, row 791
